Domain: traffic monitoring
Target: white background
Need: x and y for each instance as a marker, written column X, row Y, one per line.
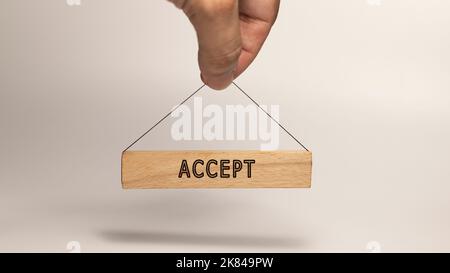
column 365, row 85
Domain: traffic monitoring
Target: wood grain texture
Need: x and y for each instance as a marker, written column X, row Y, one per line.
column 161, row 169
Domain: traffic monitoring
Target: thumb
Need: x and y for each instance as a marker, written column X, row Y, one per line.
column 219, row 38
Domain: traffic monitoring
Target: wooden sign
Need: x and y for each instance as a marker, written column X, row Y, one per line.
column 216, row 169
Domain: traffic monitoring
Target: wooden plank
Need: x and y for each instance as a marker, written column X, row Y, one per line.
column 216, row 169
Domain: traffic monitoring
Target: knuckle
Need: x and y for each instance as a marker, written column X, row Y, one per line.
column 217, row 65
column 213, row 8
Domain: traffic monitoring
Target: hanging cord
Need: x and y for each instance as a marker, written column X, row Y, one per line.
column 195, row 92
column 168, row 114
column 281, row 126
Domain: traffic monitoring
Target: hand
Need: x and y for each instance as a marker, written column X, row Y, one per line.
column 230, row 34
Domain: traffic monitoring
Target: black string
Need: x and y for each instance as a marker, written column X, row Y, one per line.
column 168, row 114
column 281, row 126
column 190, row 96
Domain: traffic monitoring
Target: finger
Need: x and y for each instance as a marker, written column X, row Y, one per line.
column 218, row 32
column 178, row 3
column 257, row 20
